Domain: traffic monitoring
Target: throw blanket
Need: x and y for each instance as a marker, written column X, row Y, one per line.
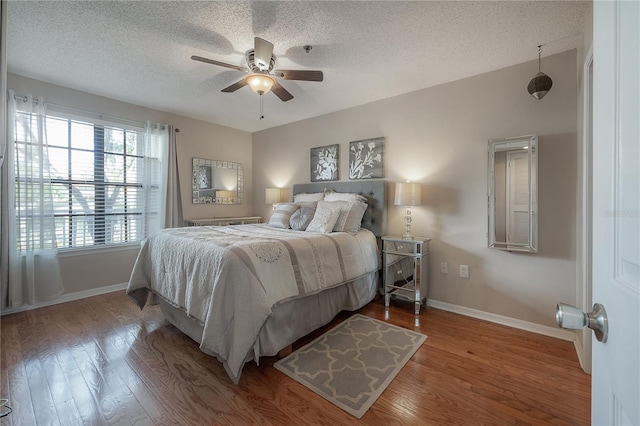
column 229, row 278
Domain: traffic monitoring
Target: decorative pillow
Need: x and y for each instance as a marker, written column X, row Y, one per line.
column 351, row 220
column 301, row 218
column 317, row 196
column 325, row 218
column 281, row 215
column 344, row 196
column 312, row 204
column 341, row 206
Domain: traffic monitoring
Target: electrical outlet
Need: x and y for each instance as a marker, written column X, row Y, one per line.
column 464, row 271
column 444, row 268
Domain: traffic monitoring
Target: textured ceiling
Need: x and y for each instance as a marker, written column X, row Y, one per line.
column 139, row 52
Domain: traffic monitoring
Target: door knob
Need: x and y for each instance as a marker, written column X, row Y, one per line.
column 569, row 316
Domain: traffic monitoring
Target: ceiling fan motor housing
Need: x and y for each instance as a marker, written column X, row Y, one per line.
column 258, row 67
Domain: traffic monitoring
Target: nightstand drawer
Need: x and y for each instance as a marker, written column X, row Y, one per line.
column 408, row 247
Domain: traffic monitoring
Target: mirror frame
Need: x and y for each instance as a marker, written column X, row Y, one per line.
column 515, row 143
column 202, row 195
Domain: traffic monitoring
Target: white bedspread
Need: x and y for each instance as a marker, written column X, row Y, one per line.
column 229, row 278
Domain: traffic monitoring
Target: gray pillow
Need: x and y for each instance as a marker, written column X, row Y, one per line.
column 351, row 219
column 301, row 218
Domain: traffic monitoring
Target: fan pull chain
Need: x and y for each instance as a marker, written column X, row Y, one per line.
column 261, row 108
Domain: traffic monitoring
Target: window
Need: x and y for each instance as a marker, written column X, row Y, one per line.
column 103, row 182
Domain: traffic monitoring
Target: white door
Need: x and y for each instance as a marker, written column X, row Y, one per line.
column 518, row 197
column 616, row 210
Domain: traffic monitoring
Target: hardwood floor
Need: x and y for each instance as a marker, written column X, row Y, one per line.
column 103, row 361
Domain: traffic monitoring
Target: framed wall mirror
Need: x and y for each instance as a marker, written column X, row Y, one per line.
column 219, row 182
column 513, row 193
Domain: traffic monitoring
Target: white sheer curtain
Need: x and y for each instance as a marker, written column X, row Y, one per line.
column 157, row 138
column 33, row 268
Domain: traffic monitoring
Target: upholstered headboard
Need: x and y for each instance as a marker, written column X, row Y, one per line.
column 375, row 218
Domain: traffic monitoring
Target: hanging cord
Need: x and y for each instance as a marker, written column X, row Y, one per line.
column 261, row 108
column 539, row 57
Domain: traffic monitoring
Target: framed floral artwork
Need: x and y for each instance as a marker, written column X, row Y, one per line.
column 366, row 159
column 324, row 163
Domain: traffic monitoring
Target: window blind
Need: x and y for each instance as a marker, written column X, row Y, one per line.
column 104, row 180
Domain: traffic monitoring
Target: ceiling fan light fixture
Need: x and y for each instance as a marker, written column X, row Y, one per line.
column 260, row 83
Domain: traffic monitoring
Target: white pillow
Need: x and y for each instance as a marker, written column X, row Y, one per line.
column 325, row 218
column 281, row 215
column 344, row 196
column 350, row 216
column 351, row 220
column 317, row 196
column 342, row 206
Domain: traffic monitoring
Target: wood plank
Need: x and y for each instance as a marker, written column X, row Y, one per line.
column 103, row 361
column 19, row 392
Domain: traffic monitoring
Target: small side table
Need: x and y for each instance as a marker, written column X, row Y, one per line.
column 406, row 269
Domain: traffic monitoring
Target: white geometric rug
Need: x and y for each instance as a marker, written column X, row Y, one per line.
column 353, row 363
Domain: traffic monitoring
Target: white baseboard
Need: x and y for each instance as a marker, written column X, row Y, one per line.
column 68, row 298
column 474, row 313
column 511, row 322
column 580, row 352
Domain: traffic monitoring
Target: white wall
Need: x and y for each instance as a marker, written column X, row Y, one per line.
column 89, row 270
column 438, row 136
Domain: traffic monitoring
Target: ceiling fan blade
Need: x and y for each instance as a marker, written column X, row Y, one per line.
column 262, row 52
column 305, row 75
column 222, row 64
column 281, row 92
column 235, row 86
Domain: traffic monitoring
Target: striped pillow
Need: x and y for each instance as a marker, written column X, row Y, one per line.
column 281, row 215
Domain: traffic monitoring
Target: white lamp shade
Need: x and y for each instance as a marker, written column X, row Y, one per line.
column 407, row 194
column 273, row 195
column 260, row 83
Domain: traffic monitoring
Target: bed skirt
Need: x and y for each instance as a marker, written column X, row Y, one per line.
column 292, row 319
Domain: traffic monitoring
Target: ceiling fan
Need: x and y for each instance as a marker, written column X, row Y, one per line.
column 261, row 77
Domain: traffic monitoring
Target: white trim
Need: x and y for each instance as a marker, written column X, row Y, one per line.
column 510, row 322
column 67, row 298
column 580, row 350
column 91, row 250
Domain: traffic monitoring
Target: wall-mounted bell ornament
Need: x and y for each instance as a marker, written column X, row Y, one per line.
column 541, row 83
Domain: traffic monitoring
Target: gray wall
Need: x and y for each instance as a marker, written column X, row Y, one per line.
column 88, row 270
column 438, row 136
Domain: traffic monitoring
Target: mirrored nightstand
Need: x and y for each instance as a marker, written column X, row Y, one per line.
column 406, row 269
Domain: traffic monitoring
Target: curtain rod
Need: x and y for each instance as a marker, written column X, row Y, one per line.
column 83, row 111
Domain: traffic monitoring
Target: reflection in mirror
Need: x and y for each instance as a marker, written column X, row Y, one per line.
column 219, row 182
column 513, row 193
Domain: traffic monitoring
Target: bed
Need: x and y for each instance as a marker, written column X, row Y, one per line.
column 218, row 284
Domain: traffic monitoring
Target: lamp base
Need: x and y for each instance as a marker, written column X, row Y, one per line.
column 407, row 224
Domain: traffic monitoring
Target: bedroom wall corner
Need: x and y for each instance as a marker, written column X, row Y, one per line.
column 438, row 137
